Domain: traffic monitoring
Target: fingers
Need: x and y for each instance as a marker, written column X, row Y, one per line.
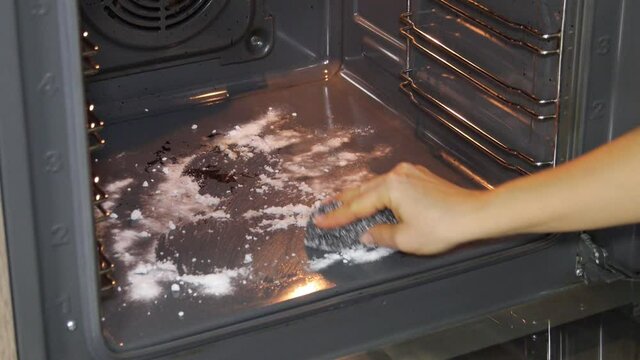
column 366, row 204
column 350, row 194
column 384, row 235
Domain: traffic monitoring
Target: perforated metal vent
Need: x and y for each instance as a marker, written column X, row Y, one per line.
column 152, row 23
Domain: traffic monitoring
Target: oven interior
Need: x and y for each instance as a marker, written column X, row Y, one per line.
column 215, row 126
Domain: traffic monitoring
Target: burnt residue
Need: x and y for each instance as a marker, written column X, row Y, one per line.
column 218, row 175
column 212, row 135
column 210, row 172
column 160, row 155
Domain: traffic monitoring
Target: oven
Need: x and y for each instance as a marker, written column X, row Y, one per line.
column 159, row 160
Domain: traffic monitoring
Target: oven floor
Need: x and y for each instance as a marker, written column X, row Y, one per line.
column 210, row 205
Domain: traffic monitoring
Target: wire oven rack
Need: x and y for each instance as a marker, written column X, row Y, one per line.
column 538, row 109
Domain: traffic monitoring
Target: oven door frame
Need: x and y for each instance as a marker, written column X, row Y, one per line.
column 47, row 202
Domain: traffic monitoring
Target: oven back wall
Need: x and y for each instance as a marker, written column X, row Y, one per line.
column 295, row 49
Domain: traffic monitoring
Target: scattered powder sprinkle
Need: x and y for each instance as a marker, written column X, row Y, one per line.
column 355, row 255
column 136, row 214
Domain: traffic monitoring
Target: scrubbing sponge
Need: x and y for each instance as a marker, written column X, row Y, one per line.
column 346, row 236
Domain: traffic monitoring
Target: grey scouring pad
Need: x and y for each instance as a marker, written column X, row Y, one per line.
column 347, row 236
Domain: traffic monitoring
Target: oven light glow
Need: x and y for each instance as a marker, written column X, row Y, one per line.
column 96, row 179
column 305, row 289
column 308, row 286
column 85, row 34
column 91, row 107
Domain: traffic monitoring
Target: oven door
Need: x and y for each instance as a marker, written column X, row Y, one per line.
column 50, row 235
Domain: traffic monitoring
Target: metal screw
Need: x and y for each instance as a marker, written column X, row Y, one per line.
column 579, row 272
column 71, row 325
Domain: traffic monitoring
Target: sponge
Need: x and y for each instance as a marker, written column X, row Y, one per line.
column 347, row 236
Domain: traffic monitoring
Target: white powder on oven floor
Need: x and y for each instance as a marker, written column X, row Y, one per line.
column 136, row 214
column 219, row 283
column 281, row 217
column 319, row 163
column 114, row 188
column 350, row 256
column 323, row 262
column 146, row 281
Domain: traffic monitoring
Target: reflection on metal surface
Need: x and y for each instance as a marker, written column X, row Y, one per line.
column 465, row 170
column 306, row 286
column 542, row 318
column 358, row 19
column 213, row 96
column 407, row 88
column 503, row 35
column 413, row 28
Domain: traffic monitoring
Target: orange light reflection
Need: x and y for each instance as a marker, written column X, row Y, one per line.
column 306, row 286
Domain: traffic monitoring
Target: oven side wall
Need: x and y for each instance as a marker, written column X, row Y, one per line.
column 605, row 98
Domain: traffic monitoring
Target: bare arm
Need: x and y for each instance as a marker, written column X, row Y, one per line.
column 599, row 189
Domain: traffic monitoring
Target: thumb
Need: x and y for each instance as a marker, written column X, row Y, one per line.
column 381, row 235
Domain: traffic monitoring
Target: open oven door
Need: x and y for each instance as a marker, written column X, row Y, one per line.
column 381, row 56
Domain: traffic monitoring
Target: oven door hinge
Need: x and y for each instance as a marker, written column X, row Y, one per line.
column 594, row 265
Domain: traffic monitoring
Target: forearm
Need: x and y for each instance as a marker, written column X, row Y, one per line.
column 599, row 189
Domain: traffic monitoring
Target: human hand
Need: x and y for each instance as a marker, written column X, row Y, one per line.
column 433, row 214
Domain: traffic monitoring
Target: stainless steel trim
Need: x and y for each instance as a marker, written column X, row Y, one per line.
column 406, row 18
column 406, row 32
column 531, row 47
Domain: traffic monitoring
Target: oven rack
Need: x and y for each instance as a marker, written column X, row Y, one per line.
column 412, row 31
column 488, row 83
column 553, row 37
column 89, row 50
column 528, row 29
column 414, row 93
column 406, row 32
column 96, row 142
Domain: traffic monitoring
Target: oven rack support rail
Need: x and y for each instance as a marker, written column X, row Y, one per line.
column 96, row 142
column 418, row 39
column 535, row 33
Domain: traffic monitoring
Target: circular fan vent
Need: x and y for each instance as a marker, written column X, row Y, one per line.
column 152, row 23
column 155, row 15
